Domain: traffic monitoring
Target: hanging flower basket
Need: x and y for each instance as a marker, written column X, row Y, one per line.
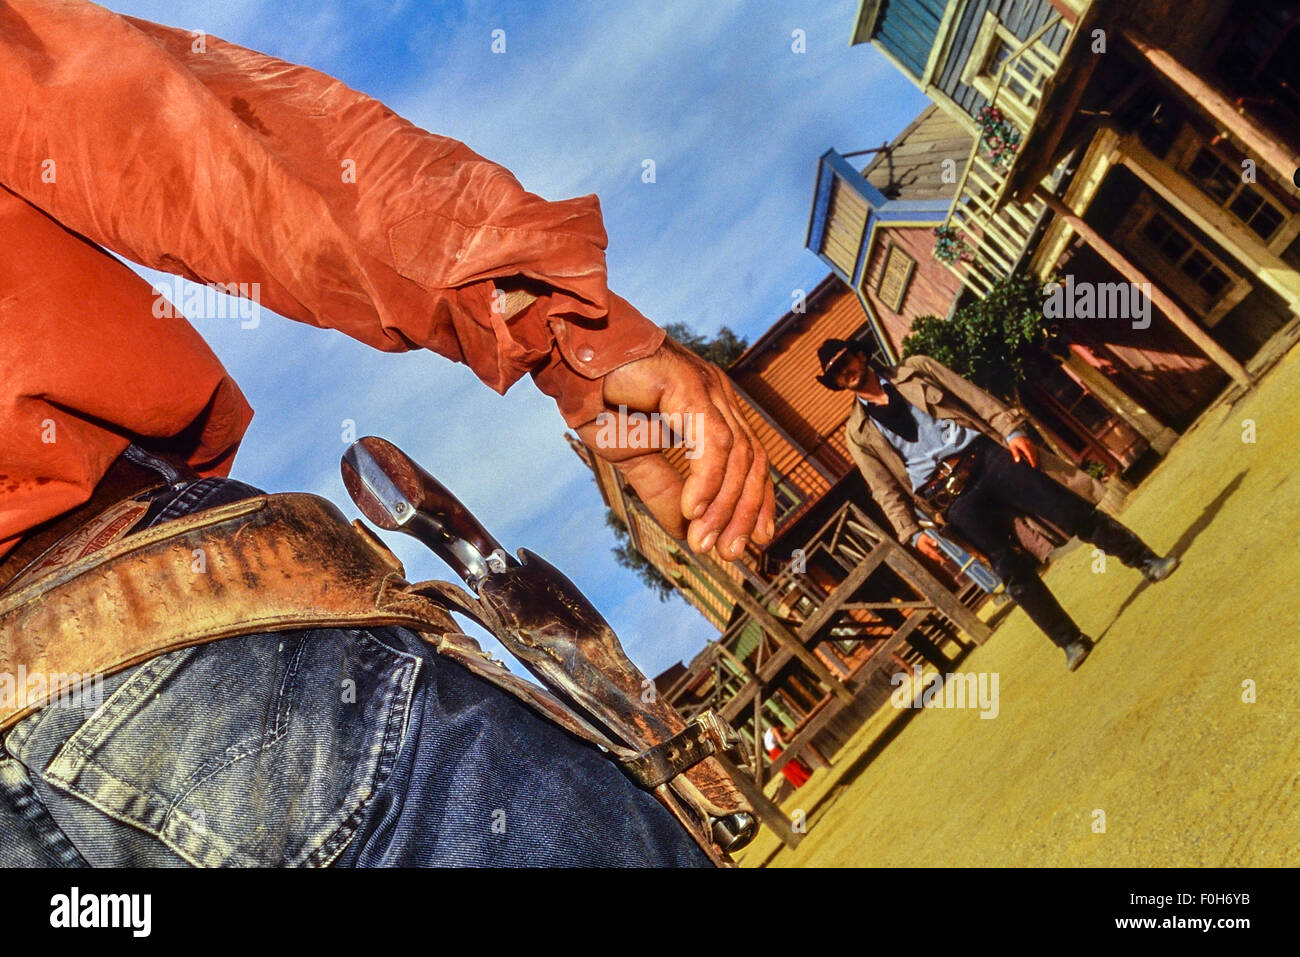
column 999, row 140
column 950, row 247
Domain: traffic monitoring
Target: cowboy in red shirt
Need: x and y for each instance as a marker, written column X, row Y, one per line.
column 194, row 156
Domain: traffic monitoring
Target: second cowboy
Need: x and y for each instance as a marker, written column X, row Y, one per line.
column 923, row 436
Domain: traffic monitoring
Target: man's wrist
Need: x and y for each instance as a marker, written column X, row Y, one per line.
column 573, row 374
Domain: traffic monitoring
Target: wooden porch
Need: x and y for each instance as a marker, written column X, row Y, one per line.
column 854, row 601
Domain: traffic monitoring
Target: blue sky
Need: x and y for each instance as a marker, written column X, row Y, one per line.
column 712, row 92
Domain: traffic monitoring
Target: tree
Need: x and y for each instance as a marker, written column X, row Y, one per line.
column 628, row 557
column 997, row 342
column 722, row 350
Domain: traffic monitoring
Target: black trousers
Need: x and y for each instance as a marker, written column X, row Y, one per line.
column 983, row 514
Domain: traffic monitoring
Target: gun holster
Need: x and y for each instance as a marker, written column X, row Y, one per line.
column 292, row 561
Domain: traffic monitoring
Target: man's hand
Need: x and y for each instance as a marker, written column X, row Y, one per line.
column 929, row 548
column 727, row 497
column 1022, row 447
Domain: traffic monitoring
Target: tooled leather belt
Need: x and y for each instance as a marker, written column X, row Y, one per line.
column 116, row 506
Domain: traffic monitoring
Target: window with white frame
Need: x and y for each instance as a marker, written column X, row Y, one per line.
column 1177, row 260
column 1219, row 173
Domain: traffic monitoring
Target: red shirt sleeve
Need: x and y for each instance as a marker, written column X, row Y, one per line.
column 199, row 157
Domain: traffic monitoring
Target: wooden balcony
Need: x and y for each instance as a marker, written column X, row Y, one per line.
column 814, row 475
column 848, row 611
column 995, row 233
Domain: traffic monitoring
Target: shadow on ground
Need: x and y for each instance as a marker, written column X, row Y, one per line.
column 1184, row 542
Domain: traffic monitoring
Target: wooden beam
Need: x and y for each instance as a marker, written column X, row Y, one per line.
column 769, row 623
column 1047, row 148
column 1160, row 436
column 732, row 709
column 1207, row 99
column 855, row 579
column 765, row 619
column 794, row 749
column 1185, row 323
column 883, row 605
column 878, row 659
column 919, row 577
column 724, row 650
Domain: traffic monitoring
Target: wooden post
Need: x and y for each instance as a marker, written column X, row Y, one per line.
column 1260, row 141
column 1160, row 436
column 765, row 619
column 918, row 576
column 1185, row 323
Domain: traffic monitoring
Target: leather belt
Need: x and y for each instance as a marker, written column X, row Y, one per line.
column 290, row 562
column 124, row 480
column 951, row 477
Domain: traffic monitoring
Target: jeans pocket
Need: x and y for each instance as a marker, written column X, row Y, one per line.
column 262, row 750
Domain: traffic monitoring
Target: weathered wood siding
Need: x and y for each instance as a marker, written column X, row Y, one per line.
column 1021, row 17
column 925, row 161
column 781, row 376
column 845, row 221
column 908, row 29
column 931, row 291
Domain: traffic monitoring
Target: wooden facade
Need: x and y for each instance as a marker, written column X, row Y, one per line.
column 899, row 279
column 1169, row 169
column 1130, row 174
column 812, row 627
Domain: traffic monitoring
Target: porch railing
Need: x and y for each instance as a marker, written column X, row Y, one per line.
column 994, row 234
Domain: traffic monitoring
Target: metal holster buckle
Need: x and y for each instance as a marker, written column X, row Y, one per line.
column 950, row 479
column 705, row 736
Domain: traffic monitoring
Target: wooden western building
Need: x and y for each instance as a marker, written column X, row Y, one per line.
column 1152, row 146
column 1131, row 173
column 813, row 627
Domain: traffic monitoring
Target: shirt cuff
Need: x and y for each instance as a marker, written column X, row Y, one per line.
column 1017, row 433
column 917, row 537
column 584, row 354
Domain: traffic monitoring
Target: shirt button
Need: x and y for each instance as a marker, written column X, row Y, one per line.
column 586, row 353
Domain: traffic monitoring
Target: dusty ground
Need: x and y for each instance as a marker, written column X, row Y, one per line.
column 1152, row 730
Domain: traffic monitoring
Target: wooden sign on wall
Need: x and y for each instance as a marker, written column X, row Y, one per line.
column 895, row 277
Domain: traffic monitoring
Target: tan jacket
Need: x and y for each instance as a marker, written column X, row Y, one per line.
column 941, row 393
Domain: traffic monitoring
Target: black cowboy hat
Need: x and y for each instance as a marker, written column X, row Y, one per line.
column 830, row 353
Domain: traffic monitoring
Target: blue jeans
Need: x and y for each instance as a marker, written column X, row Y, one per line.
column 312, row 748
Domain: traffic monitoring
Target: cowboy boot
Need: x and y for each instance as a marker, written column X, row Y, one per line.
column 1076, row 651
column 1116, row 539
